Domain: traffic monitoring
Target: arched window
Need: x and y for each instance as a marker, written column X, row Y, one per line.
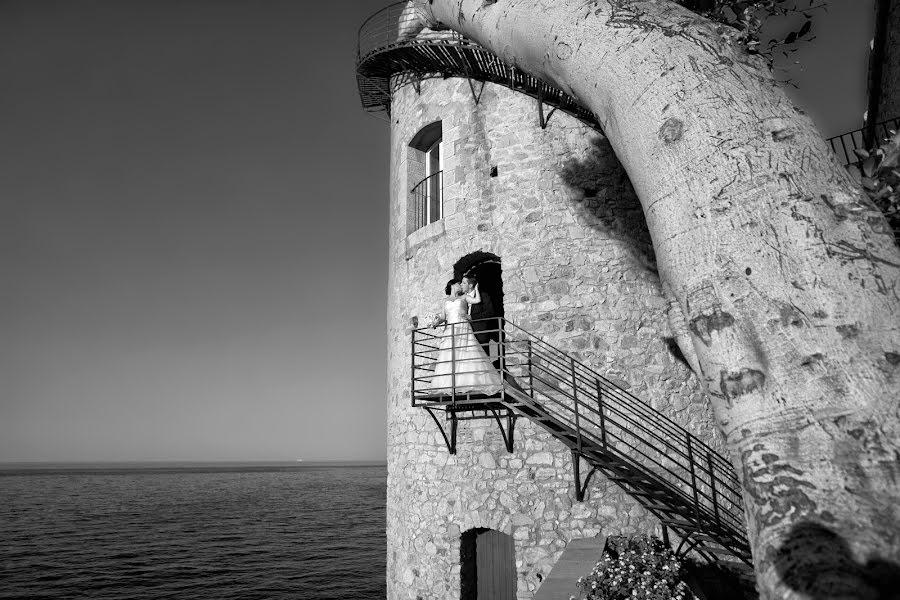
column 426, row 172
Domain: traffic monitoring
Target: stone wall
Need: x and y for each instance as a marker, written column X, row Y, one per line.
column 578, row 271
column 889, row 102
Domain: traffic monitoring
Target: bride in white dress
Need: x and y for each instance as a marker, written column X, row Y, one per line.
column 474, row 372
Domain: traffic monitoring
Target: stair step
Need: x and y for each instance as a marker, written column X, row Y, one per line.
column 705, row 537
column 742, row 569
column 643, row 478
column 681, row 524
column 717, row 550
column 587, row 447
column 665, row 507
column 657, row 494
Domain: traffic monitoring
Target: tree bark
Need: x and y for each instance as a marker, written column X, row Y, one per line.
column 787, row 276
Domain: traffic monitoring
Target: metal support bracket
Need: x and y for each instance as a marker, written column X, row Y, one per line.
column 476, row 96
column 580, row 488
column 687, row 544
column 544, row 119
column 510, row 427
column 454, row 423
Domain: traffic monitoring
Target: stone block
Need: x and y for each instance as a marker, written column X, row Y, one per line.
column 486, row 461
column 539, row 458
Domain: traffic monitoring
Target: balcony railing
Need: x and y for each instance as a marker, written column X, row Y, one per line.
column 393, row 26
column 844, row 145
column 394, row 50
column 427, row 200
column 689, row 486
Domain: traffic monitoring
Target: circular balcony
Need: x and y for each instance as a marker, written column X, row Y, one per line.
column 395, row 49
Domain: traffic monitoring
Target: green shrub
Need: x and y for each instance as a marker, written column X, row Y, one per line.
column 637, row 568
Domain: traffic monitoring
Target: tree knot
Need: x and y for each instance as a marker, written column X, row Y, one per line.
column 671, row 130
column 735, row 384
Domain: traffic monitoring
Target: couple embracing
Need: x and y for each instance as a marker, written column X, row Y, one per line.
column 462, row 360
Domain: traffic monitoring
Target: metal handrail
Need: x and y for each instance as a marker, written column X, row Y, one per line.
column 429, row 191
column 600, row 419
column 844, row 145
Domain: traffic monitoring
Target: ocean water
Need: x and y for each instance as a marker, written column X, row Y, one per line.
column 310, row 532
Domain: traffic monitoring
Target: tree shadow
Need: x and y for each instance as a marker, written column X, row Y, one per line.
column 817, row 562
column 607, row 202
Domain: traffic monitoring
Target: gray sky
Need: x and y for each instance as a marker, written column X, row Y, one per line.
column 193, row 226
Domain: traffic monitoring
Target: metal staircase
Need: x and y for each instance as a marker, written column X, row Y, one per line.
column 687, row 485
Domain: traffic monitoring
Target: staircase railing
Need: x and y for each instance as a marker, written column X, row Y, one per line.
column 634, row 444
column 844, row 145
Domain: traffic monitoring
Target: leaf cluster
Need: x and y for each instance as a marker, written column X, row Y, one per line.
column 749, row 23
column 641, row 567
column 878, row 170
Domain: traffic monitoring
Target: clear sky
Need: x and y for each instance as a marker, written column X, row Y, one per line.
column 193, row 226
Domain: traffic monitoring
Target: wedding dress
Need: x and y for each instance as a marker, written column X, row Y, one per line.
column 474, row 372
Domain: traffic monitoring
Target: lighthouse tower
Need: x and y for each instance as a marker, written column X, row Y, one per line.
column 498, row 174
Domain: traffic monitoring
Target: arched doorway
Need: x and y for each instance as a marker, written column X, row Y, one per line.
column 487, row 565
column 487, row 270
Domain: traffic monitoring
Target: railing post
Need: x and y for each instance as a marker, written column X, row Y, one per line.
column 575, row 398
column 600, row 409
column 530, row 371
column 501, row 347
column 412, row 382
column 453, row 363
column 712, row 485
column 690, row 454
column 576, row 472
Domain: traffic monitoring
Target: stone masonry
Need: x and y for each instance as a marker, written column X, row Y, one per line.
column 578, row 271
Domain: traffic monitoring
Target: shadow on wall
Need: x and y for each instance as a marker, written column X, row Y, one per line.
column 816, row 562
column 610, row 203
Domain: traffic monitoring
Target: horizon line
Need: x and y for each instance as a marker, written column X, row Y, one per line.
column 295, row 462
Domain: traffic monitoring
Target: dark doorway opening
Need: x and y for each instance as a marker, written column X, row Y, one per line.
column 487, row 565
column 486, row 268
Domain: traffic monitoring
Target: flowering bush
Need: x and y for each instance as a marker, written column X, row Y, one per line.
column 640, row 568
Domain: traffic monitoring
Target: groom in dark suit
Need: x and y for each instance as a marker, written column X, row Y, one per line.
column 485, row 330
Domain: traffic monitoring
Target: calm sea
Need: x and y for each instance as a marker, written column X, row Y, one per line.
column 310, row 532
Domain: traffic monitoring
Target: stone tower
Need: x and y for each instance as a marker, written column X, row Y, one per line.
column 884, row 71
column 487, row 173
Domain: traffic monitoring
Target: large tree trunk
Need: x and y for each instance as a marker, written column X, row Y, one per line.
column 787, row 275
